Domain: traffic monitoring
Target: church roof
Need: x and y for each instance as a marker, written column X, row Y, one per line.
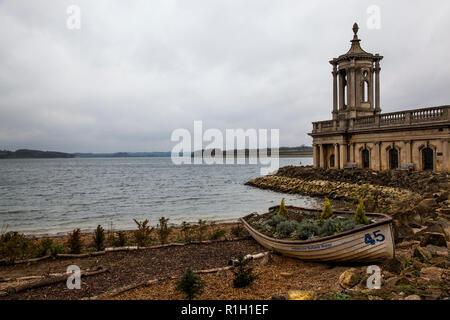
column 355, row 50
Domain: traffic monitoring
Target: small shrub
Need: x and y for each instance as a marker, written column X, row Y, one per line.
column 238, row 231
column 217, row 234
column 276, row 220
column 360, row 214
column 306, row 230
column 348, row 224
column 56, row 249
column 190, row 284
column 12, row 246
column 44, row 247
column 74, row 242
column 201, row 229
column 142, row 234
column 328, row 227
column 327, row 211
column 243, row 275
column 163, row 230
column 339, row 296
column 282, row 210
column 186, row 231
column 120, row 240
column 286, row 228
column 99, row 238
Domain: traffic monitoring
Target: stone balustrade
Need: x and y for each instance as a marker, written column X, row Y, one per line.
column 402, row 118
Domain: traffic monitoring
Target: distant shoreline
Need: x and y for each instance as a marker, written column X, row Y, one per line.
column 284, row 152
column 123, row 157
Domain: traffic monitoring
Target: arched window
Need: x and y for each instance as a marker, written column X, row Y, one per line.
column 393, row 158
column 345, row 95
column 366, row 91
column 366, row 159
column 344, row 89
column 428, row 159
column 332, row 161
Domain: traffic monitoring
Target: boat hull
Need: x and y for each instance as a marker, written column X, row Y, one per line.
column 366, row 244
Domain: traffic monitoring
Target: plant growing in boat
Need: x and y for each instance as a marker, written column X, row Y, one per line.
column 74, row 241
column 190, row 284
column 163, row 230
column 282, row 210
column 142, row 234
column 307, row 229
column 360, row 214
column 286, row 228
column 275, row 220
column 327, row 211
column 99, row 238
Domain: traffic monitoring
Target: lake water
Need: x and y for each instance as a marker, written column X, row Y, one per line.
column 40, row 196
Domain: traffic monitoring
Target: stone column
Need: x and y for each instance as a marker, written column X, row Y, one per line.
column 336, row 155
column 316, row 155
column 350, row 89
column 377, row 87
column 408, row 151
column 322, row 157
column 446, row 152
column 352, row 152
column 370, row 76
column 342, row 156
column 376, row 156
column 335, row 94
column 341, row 92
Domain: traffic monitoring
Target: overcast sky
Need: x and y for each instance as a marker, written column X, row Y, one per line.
column 137, row 70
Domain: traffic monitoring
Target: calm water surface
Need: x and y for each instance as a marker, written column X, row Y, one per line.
column 57, row 195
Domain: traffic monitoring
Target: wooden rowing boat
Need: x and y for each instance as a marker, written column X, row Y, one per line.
column 372, row 242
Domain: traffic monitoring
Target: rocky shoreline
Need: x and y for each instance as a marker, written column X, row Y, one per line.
column 419, row 203
column 415, row 200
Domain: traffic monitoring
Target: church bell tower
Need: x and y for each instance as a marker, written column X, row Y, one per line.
column 356, row 82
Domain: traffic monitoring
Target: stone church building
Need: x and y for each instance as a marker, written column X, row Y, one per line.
column 359, row 135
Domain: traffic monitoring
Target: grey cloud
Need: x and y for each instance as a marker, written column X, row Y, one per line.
column 138, row 70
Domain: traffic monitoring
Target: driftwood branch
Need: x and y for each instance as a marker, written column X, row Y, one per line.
column 46, row 282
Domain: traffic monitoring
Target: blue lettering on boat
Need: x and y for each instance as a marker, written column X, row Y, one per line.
column 316, row 247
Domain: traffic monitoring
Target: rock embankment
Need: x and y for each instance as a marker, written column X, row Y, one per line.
column 376, row 197
column 416, row 181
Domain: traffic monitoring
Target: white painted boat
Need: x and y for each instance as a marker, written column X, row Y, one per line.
column 373, row 242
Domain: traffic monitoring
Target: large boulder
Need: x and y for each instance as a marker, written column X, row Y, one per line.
column 434, row 238
column 394, row 265
column 427, row 207
column 435, row 227
column 350, row 278
column 402, row 231
column 437, row 251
